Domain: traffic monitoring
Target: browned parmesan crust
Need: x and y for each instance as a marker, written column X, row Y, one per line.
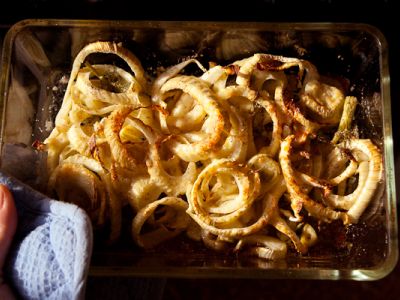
column 238, row 166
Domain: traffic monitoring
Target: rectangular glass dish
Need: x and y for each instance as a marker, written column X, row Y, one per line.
column 37, row 54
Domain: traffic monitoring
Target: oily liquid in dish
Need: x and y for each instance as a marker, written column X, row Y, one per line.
column 231, row 230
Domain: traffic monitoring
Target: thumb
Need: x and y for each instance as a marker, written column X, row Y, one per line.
column 8, row 222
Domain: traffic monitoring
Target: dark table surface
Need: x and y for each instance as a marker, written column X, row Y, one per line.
column 379, row 13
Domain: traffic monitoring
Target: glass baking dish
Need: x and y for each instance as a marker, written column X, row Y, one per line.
column 38, row 53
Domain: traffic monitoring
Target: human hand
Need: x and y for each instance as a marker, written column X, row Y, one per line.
column 8, row 224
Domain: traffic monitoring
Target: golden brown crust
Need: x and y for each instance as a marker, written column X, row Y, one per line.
column 238, row 164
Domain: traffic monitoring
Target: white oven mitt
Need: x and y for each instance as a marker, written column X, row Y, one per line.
column 51, row 251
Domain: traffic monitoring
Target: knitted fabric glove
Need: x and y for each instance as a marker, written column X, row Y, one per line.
column 51, row 251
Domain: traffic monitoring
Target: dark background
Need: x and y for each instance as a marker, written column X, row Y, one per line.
column 379, row 13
